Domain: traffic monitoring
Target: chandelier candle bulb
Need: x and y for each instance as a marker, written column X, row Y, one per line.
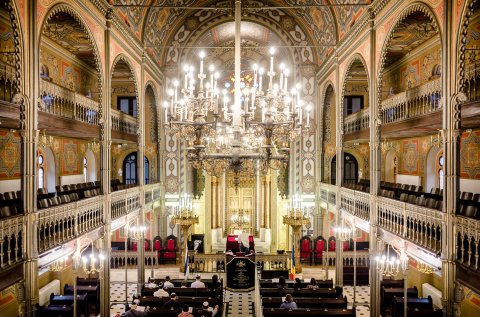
column 260, row 72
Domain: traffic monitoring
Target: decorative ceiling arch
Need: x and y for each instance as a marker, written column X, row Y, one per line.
column 17, row 42
column 67, row 28
column 425, row 28
column 122, row 67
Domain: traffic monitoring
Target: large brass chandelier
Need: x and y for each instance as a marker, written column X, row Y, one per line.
column 251, row 134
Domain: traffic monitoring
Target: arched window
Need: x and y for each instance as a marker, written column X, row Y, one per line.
column 41, row 172
column 85, row 170
column 130, row 169
column 146, row 168
column 350, row 169
column 440, row 169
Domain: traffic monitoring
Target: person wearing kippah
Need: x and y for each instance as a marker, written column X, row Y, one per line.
column 167, row 283
column 173, row 303
column 134, row 312
column 197, row 283
column 206, row 310
column 161, row 292
column 185, row 312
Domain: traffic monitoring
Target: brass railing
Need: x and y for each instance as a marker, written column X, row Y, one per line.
column 63, row 102
column 7, row 81
column 356, row 203
column 418, row 101
column 468, row 241
column 124, row 202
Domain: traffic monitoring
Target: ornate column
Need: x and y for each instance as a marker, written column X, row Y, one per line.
column 214, row 202
column 339, row 173
column 28, row 131
column 374, row 97
column 451, row 136
column 105, row 167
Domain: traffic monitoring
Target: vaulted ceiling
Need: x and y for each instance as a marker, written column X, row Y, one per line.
column 163, row 24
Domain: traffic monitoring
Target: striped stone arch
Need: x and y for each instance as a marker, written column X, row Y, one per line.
column 65, row 8
column 414, row 7
column 18, row 45
column 353, row 59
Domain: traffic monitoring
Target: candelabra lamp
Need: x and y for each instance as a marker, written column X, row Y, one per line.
column 296, row 219
column 239, row 220
column 185, row 218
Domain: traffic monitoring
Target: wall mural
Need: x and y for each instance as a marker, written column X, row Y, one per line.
column 10, row 154
column 410, row 157
column 70, row 159
column 470, row 155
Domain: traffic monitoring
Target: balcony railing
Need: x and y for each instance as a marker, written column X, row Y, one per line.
column 63, row 102
column 356, row 203
column 60, row 224
column 472, row 82
column 12, row 233
column 421, row 225
column 414, row 102
column 125, row 201
column 468, row 240
column 117, row 258
column 123, row 122
column 362, row 256
column 328, row 193
column 152, row 193
column 214, row 262
column 356, row 121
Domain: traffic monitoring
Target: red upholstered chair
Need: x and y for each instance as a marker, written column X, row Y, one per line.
column 170, row 250
column 319, row 249
column 345, row 245
column 147, row 245
column 331, row 244
column 134, row 246
column 305, row 249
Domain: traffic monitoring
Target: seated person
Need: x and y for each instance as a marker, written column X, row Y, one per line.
column 289, row 303
column 282, row 284
column 313, row 284
column 161, row 292
column 134, row 312
column 173, row 303
column 215, row 283
column 183, row 284
column 206, row 310
column 167, row 283
column 297, row 285
column 185, row 312
column 197, row 283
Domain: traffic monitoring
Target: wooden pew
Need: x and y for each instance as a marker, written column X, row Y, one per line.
column 195, row 302
column 162, row 312
column 178, row 282
column 186, row 291
column 318, row 293
column 300, row 312
column 307, row 302
column 67, row 300
column 412, row 303
column 363, row 274
column 54, row 311
column 92, row 291
column 269, row 274
column 416, row 312
column 268, row 283
column 387, row 295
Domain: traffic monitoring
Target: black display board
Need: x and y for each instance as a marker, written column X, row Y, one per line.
column 241, row 274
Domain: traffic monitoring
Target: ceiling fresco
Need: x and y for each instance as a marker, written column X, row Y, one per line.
column 64, row 30
column 322, row 25
column 409, row 34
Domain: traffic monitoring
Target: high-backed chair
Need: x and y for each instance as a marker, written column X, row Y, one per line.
column 319, row 248
column 170, row 249
column 306, row 249
column 331, row 244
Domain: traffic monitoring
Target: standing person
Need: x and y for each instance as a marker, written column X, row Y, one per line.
column 185, row 312
column 198, row 283
column 206, row 309
column 167, row 283
column 289, row 303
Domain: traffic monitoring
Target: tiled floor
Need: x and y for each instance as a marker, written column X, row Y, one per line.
column 240, row 303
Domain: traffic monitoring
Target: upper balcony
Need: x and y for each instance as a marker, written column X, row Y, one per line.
column 356, row 126
column 124, row 126
column 413, row 112
column 467, row 247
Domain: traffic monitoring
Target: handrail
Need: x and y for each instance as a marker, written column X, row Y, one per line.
column 60, row 224
column 356, row 121
column 123, row 122
column 414, row 102
column 63, row 102
column 125, row 201
column 13, row 235
column 467, row 231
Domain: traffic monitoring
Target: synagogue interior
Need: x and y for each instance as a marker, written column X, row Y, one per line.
column 300, row 158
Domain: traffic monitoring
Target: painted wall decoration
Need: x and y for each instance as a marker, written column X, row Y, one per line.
column 70, row 157
column 470, row 155
column 9, row 154
column 409, row 159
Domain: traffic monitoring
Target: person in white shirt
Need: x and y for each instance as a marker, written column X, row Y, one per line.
column 161, row 292
column 206, row 308
column 167, row 283
column 197, row 283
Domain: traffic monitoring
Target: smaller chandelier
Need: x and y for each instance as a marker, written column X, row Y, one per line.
column 424, row 268
column 184, row 214
column 44, row 140
column 58, row 265
column 94, row 146
column 89, row 263
column 343, row 233
column 136, row 232
column 388, row 267
column 239, row 219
